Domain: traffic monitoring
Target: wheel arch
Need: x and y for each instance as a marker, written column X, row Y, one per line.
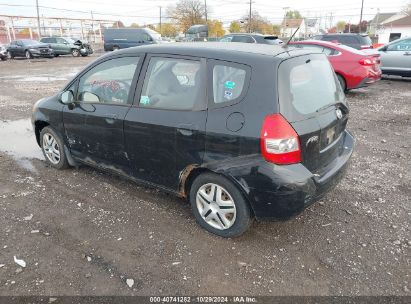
column 191, row 172
column 38, row 126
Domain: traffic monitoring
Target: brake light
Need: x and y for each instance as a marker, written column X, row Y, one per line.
column 279, row 142
column 367, row 61
column 363, row 47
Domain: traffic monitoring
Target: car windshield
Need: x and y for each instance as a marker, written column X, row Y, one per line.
column 366, row 40
column 155, row 35
column 306, row 85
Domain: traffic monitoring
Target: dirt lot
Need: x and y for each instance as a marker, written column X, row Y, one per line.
column 84, row 232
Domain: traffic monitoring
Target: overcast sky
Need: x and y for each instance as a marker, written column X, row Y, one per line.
column 147, row 11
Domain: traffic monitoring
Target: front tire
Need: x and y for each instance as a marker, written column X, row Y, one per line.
column 219, row 206
column 28, row 55
column 75, row 52
column 53, row 148
column 9, row 55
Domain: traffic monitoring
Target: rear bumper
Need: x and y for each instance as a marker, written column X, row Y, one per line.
column 279, row 192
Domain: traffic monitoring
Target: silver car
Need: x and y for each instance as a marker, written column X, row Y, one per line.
column 396, row 57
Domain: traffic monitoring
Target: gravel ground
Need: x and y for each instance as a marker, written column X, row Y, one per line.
column 84, row 232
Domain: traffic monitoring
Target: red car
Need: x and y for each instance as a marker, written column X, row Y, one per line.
column 354, row 68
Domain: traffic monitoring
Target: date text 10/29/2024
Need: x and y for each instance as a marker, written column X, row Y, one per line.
column 200, row 299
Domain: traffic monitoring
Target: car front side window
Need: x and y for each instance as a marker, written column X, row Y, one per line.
column 404, row 45
column 108, row 82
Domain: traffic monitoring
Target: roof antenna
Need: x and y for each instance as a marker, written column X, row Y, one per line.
column 292, row 36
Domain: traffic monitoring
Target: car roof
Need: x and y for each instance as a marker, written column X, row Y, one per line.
column 212, row 49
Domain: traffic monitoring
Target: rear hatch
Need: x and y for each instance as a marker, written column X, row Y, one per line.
column 312, row 101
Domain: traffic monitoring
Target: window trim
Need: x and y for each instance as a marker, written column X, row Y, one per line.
column 211, row 63
column 76, row 80
column 143, row 74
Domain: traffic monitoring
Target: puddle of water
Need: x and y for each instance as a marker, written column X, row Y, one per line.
column 19, row 141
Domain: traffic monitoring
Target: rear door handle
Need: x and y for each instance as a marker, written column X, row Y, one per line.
column 185, row 129
column 110, row 118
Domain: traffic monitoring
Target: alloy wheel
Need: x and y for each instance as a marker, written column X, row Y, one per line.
column 51, row 148
column 216, row 206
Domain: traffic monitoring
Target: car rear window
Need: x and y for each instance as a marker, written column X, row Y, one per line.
column 228, row 83
column 365, row 40
column 306, row 84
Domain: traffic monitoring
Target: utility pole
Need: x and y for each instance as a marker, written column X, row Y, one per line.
column 38, row 19
column 205, row 11
column 362, row 7
column 285, row 21
column 249, row 18
column 160, row 21
column 92, row 27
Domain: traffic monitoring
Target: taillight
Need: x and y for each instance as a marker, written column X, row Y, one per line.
column 367, row 61
column 363, row 47
column 279, row 142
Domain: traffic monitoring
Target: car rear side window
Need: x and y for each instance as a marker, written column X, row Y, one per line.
column 307, row 84
column 173, row 84
column 108, row 82
column 228, row 82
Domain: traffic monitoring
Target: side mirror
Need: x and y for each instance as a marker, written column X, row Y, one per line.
column 89, row 97
column 66, row 97
column 384, row 48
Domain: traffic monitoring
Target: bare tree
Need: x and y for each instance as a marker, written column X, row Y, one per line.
column 187, row 13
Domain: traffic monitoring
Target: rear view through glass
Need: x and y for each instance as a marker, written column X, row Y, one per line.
column 306, row 85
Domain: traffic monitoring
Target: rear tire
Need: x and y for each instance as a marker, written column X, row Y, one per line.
column 342, row 82
column 116, row 48
column 52, row 146
column 9, row 55
column 219, row 206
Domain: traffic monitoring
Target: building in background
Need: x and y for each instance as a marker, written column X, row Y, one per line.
column 394, row 27
column 289, row 26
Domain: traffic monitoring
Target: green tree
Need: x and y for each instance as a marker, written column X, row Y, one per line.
column 235, row 27
column 167, row 30
column 188, row 13
column 341, row 25
column 293, row 14
column 276, row 29
column 215, row 28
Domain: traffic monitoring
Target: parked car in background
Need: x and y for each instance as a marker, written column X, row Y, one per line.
column 356, row 41
column 239, row 130
column 3, row 52
column 115, row 39
column 197, row 32
column 29, row 48
column 354, row 68
column 396, row 57
column 68, row 46
column 251, row 38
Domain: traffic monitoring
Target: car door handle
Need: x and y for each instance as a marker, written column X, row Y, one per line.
column 185, row 129
column 110, row 118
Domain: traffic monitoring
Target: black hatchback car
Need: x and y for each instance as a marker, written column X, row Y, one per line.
column 240, row 131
